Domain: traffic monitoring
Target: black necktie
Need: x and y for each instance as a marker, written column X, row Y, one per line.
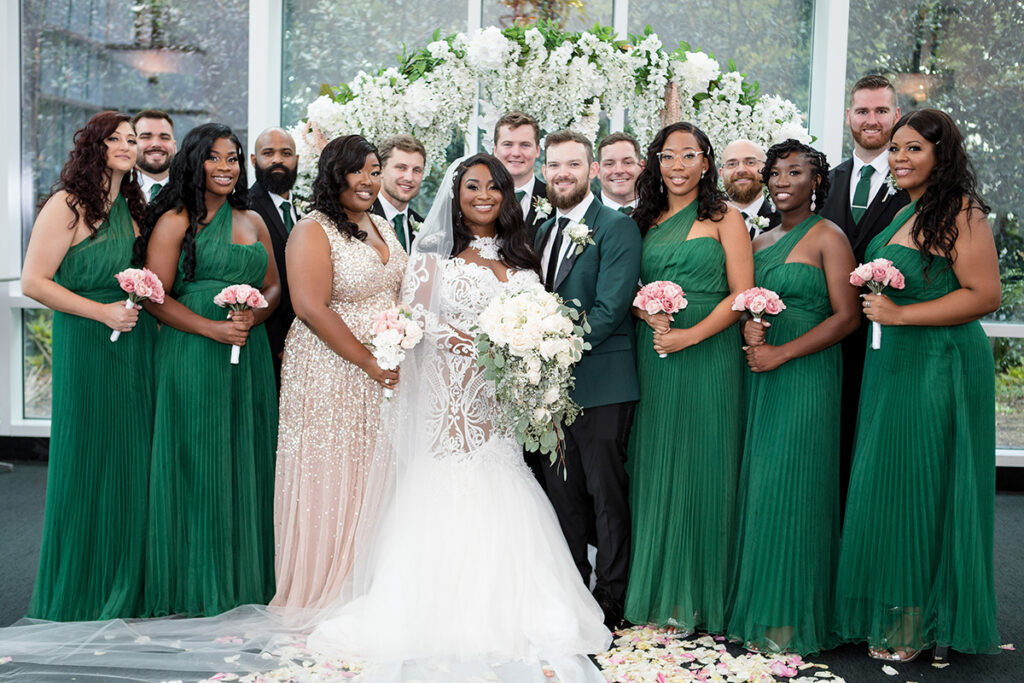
column 750, row 228
column 556, row 249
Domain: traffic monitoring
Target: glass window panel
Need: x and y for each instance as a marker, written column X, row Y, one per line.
column 1009, row 359
column 37, row 342
column 571, row 15
column 965, row 58
column 330, row 41
column 770, row 40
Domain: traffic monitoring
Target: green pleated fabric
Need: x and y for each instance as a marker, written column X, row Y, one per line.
column 211, row 537
column 685, row 444
column 91, row 564
column 788, row 501
column 916, row 561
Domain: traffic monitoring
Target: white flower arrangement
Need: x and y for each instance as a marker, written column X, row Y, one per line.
column 542, row 206
column 891, row 187
column 761, row 222
column 528, row 341
column 579, row 233
column 564, row 80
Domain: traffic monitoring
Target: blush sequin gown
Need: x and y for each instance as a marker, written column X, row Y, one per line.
column 330, row 413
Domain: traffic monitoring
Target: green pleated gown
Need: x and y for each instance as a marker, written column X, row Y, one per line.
column 91, row 564
column 211, row 536
column 915, row 567
column 788, row 503
column 685, row 444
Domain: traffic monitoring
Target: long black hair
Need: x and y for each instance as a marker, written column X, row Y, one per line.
column 340, row 157
column 652, row 200
column 819, row 167
column 515, row 248
column 951, row 181
column 186, row 190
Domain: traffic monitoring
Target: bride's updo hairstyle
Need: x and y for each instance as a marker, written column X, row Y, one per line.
column 510, row 229
column 340, row 157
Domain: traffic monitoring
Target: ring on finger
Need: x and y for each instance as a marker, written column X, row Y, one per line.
column 867, row 304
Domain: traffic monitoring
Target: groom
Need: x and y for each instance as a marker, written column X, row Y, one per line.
column 603, row 277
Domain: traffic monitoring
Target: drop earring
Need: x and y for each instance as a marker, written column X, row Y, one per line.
column 814, row 197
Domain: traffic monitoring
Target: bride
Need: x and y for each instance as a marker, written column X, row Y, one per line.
column 468, row 565
column 465, row 577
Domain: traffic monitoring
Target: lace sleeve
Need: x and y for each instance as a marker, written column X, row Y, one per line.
column 420, row 294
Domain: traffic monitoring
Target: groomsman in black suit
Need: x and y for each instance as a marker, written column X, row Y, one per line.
column 517, row 146
column 154, row 130
column 276, row 165
column 403, row 160
column 861, row 204
column 742, row 161
column 619, row 162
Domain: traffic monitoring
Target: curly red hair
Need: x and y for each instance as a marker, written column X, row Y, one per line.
column 86, row 177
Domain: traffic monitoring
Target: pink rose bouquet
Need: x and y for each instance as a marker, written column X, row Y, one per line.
column 140, row 284
column 239, row 298
column 393, row 332
column 877, row 275
column 758, row 301
column 660, row 296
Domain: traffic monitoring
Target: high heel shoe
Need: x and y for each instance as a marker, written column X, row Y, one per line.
column 901, row 654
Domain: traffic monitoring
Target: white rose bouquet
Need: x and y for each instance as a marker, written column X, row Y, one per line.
column 393, row 333
column 528, row 342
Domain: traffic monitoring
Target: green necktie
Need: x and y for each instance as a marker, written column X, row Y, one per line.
column 399, row 222
column 625, row 209
column 286, row 216
column 520, row 194
column 154, row 190
column 863, row 191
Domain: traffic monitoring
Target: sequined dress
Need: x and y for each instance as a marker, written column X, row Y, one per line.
column 330, row 414
column 470, row 562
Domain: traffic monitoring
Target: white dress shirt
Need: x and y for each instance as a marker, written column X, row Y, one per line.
column 390, row 212
column 612, row 204
column 575, row 215
column 524, row 203
column 147, row 182
column 751, row 210
column 881, row 164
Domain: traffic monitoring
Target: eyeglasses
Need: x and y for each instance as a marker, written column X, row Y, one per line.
column 749, row 162
column 688, row 158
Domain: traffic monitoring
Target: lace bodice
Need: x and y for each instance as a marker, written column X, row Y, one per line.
column 458, row 403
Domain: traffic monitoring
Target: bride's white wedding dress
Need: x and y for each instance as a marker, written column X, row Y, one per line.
column 469, row 566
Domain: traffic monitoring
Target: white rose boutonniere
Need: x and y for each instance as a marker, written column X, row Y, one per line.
column 891, row 187
column 580, row 235
column 414, row 226
column 761, row 222
column 542, row 206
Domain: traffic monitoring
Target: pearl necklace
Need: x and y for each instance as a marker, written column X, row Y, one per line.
column 488, row 247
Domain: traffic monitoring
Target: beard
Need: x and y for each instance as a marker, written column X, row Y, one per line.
column 571, row 198
column 868, row 144
column 276, row 178
column 154, row 169
column 743, row 195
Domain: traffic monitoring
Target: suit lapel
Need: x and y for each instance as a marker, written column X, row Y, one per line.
column 566, row 264
column 270, row 210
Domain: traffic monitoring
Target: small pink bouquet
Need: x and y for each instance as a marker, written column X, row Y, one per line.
column 877, row 275
column 759, row 302
column 660, row 296
column 393, row 332
column 239, row 298
column 140, row 284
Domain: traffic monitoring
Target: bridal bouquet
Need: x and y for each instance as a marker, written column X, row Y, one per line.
column 528, row 342
column 660, row 296
column 140, row 284
column 392, row 334
column 239, row 298
column 758, row 301
column 877, row 275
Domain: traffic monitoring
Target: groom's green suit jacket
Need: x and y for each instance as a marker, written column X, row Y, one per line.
column 604, row 278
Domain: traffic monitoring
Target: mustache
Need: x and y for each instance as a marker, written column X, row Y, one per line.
column 276, row 167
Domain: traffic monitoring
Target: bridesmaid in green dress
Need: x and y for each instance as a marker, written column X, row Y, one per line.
column 915, row 569
column 91, row 564
column 211, row 538
column 787, row 540
column 687, row 436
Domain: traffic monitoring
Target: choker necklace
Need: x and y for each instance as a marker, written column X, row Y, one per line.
column 487, row 246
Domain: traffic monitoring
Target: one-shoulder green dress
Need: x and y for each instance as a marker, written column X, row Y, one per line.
column 685, row 446
column 94, row 528
column 915, row 567
column 787, row 533
column 211, row 535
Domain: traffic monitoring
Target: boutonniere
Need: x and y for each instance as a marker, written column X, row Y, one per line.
column 414, row 226
column 891, row 186
column 760, row 222
column 580, row 235
column 542, row 206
